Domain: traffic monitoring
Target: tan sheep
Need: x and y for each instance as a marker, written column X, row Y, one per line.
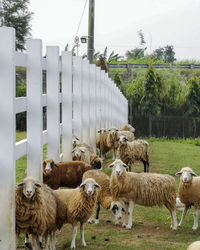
column 128, row 127
column 35, row 211
column 99, row 132
column 144, row 189
column 189, row 193
column 76, row 143
column 104, row 197
column 76, row 205
column 137, row 150
column 83, row 154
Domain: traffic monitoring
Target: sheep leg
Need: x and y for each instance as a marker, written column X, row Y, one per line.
column 97, row 213
column 195, row 226
column 114, row 154
column 130, row 212
column 35, row 242
column 53, row 240
column 26, row 241
column 183, row 216
column 174, row 220
column 126, row 204
column 146, row 170
column 74, row 230
column 82, row 234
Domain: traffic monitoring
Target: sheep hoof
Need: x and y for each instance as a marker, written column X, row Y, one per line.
column 124, row 225
column 194, row 228
column 96, row 221
column 128, row 226
column 84, row 244
column 179, row 225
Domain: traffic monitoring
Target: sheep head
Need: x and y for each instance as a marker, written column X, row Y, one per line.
column 48, row 165
column 29, row 185
column 186, row 174
column 89, row 186
column 118, row 167
column 116, row 208
column 101, row 130
column 122, row 140
column 77, row 152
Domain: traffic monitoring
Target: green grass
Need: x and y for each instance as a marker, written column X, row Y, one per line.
column 151, row 225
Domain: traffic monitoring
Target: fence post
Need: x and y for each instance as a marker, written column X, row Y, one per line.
column 34, row 108
column 103, row 100
column 67, row 105
column 77, row 97
column 93, row 129
column 53, row 105
column 86, row 102
column 7, row 138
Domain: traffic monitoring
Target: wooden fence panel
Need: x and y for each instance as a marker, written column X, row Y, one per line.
column 34, row 108
column 7, row 138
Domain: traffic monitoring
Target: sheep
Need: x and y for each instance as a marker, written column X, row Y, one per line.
column 194, row 245
column 128, row 127
column 108, row 141
column 35, row 211
column 129, row 152
column 129, row 135
column 76, row 205
column 104, row 197
column 146, row 189
column 83, row 154
column 76, row 143
column 63, row 174
column 189, row 193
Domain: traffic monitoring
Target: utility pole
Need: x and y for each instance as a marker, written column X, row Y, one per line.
column 90, row 51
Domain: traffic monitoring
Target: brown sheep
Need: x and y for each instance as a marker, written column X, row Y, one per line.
column 63, row 174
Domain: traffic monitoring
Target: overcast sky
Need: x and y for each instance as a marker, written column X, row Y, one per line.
column 163, row 22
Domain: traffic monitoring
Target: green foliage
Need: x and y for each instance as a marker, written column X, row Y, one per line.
column 193, row 98
column 135, row 53
column 14, row 13
column 150, row 101
column 166, row 54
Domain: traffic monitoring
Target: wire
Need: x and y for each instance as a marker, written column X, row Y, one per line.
column 81, row 17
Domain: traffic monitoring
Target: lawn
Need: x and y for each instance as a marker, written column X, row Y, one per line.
column 151, row 226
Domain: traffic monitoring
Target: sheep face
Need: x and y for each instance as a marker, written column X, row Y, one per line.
column 118, row 167
column 89, row 186
column 113, row 131
column 101, row 131
column 116, row 208
column 77, row 153
column 29, row 185
column 122, row 139
column 186, row 174
column 48, row 164
column 74, row 141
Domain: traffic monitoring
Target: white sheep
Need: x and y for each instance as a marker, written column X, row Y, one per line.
column 131, row 151
column 76, row 143
column 104, row 197
column 194, row 245
column 76, row 205
column 35, row 211
column 144, row 189
column 189, row 193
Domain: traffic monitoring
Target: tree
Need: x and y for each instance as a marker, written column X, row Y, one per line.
column 151, row 100
column 158, row 53
column 14, row 13
column 193, row 101
column 169, row 54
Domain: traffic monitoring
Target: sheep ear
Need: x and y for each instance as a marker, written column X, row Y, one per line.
column 111, row 165
column 97, row 185
column 82, row 151
column 125, row 166
column 37, row 185
column 52, row 164
column 123, row 210
column 44, row 163
column 82, row 185
column 99, row 131
column 109, row 129
column 193, row 174
column 126, row 139
column 20, row 184
column 178, row 173
column 73, row 150
column 77, row 139
column 117, row 139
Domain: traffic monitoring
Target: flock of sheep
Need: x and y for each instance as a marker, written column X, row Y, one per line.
column 43, row 208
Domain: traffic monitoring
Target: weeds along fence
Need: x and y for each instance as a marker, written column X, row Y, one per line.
column 89, row 100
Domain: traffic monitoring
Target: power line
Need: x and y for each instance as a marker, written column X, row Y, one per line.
column 81, row 17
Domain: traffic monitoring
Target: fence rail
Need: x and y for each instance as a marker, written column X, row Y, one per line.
column 156, row 66
column 89, row 99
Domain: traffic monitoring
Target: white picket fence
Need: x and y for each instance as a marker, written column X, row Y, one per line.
column 90, row 100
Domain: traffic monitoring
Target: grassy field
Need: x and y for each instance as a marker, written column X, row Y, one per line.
column 151, row 226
